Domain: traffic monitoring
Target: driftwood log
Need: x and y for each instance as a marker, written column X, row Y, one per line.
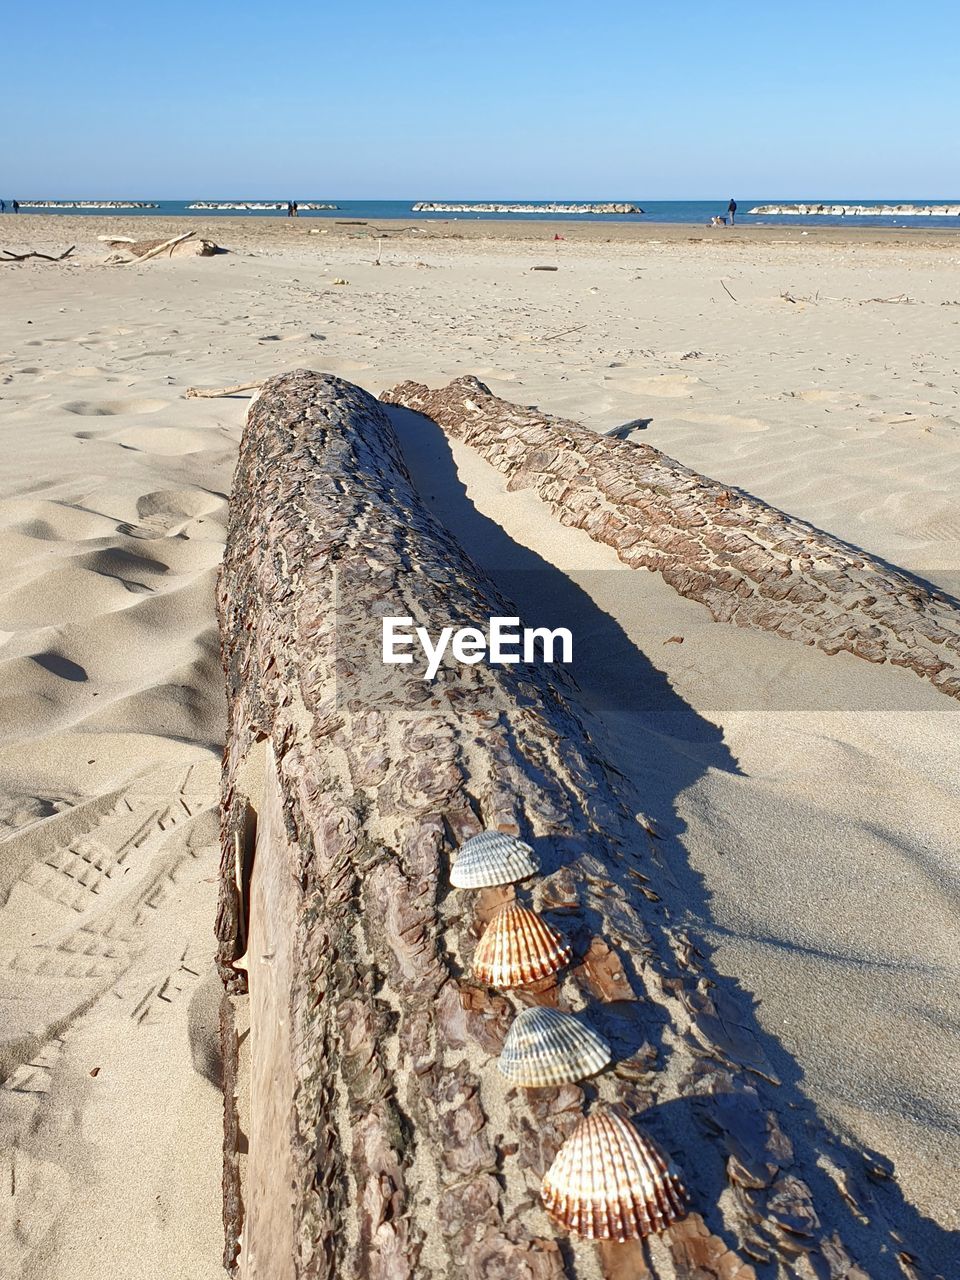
column 381, row 1139
column 746, row 561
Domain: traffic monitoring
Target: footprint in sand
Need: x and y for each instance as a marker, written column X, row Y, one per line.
column 167, row 512
column 110, row 408
column 163, row 441
column 95, row 876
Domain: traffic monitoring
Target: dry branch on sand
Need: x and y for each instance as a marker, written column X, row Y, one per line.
column 10, row 256
column 746, row 561
column 382, row 1139
column 214, row 393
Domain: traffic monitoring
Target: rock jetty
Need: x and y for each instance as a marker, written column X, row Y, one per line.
column 254, row 206
column 430, row 206
column 864, row 210
column 88, row 204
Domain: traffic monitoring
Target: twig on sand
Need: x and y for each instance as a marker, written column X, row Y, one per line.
column 212, row 393
column 550, row 336
column 901, row 297
column 10, row 256
column 727, row 290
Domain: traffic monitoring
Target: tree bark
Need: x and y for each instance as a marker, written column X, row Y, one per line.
column 746, row 561
column 382, row 1140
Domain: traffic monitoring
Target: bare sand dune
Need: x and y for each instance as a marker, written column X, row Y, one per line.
column 817, row 798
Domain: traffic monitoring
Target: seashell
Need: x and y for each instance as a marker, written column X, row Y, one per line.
column 548, row 1046
column 492, row 858
column 609, row 1181
column 519, row 947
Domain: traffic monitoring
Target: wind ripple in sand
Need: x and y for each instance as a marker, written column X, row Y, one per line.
column 111, row 716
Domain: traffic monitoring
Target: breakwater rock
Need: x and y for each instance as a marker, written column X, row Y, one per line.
column 864, row 210
column 88, row 204
column 430, row 206
column 254, row 206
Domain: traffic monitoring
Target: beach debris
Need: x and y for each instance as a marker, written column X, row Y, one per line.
column 142, row 250
column 674, row 640
column 562, row 332
column 547, row 1046
column 519, row 948
column 10, row 256
column 626, row 429
column 340, row 280
column 492, row 858
column 213, row 393
column 726, row 289
column 544, row 268
column 610, row 1181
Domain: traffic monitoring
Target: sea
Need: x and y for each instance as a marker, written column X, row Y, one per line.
column 692, row 212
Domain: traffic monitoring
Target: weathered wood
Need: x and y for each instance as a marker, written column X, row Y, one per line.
column 746, row 561
column 214, row 393
column 407, row 1154
column 10, row 256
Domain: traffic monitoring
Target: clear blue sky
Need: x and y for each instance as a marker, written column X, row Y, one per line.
column 423, row 99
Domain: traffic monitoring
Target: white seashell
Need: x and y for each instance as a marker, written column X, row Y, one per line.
column 492, row 858
column 609, row 1181
column 547, row 1046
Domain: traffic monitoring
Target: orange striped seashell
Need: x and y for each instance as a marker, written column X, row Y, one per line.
column 609, row 1181
column 519, row 947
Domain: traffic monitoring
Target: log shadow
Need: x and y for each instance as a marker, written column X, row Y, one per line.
column 670, row 748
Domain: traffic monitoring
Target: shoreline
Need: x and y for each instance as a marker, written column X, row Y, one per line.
column 282, row 230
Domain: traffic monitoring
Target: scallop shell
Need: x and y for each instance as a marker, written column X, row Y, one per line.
column 492, row 858
column 518, row 947
column 548, row 1046
column 611, row 1182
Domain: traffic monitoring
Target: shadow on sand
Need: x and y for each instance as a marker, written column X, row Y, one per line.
column 661, row 739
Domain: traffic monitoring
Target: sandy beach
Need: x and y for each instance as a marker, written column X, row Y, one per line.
column 816, row 799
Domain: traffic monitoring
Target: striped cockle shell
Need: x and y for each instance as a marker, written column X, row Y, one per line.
column 609, row 1181
column 518, row 947
column 492, row 858
column 547, row 1046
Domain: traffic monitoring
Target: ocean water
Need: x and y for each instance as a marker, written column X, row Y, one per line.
column 691, row 212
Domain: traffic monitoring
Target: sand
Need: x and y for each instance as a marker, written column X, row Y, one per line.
column 817, row 798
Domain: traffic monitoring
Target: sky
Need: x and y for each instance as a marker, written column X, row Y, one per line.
column 433, row 99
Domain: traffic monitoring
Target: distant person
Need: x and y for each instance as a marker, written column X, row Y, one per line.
column 732, row 211
column 289, row 208
column 3, row 207
column 296, row 209
column 15, row 206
